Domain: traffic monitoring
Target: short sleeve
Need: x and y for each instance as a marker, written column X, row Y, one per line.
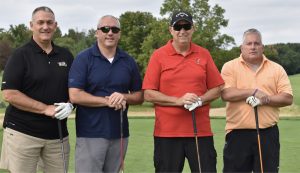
column 227, row 74
column 14, row 71
column 152, row 75
column 78, row 72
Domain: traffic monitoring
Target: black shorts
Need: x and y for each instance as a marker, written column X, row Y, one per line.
column 241, row 152
column 170, row 154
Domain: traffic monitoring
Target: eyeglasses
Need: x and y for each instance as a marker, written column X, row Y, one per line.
column 106, row 29
column 186, row 27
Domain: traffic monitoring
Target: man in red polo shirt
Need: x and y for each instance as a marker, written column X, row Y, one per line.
column 182, row 73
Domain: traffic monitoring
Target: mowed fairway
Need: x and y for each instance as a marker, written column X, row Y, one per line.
column 139, row 156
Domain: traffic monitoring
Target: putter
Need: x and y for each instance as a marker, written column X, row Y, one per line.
column 196, row 139
column 258, row 139
column 121, row 141
column 62, row 145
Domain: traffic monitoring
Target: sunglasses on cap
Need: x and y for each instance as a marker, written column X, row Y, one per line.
column 178, row 27
column 106, row 29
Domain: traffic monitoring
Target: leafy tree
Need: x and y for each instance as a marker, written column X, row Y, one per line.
column 287, row 55
column 158, row 37
column 57, row 33
column 90, row 37
column 19, row 35
column 135, row 27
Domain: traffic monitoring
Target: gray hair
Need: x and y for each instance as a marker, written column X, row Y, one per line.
column 109, row 16
column 252, row 31
column 42, row 8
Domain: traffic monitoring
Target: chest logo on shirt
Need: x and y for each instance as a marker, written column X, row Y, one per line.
column 62, row 64
column 197, row 60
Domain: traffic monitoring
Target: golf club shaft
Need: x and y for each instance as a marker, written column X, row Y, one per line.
column 62, row 145
column 121, row 141
column 258, row 139
column 196, row 139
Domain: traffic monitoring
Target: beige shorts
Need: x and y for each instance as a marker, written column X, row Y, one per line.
column 21, row 153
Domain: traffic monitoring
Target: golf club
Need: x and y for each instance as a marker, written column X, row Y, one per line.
column 196, row 139
column 62, row 145
column 121, row 141
column 258, row 139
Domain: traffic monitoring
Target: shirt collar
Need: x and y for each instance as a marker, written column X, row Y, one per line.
column 38, row 49
column 171, row 50
column 241, row 60
column 96, row 52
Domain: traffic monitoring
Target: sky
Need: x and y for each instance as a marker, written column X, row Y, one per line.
column 278, row 20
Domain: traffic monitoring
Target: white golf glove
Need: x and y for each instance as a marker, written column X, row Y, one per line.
column 253, row 101
column 193, row 106
column 63, row 110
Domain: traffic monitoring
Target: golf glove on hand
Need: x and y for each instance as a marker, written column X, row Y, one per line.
column 193, row 106
column 63, row 110
column 253, row 101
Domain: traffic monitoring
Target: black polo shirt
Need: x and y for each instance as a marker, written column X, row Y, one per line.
column 40, row 76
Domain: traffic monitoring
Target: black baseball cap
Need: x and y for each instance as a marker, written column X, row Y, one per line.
column 181, row 15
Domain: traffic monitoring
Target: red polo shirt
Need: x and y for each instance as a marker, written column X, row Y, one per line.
column 174, row 75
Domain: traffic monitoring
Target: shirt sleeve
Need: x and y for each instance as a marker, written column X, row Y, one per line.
column 227, row 74
column 283, row 83
column 214, row 78
column 136, row 82
column 78, row 72
column 14, row 72
column 152, row 75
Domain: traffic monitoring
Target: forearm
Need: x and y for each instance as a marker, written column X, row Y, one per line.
column 23, row 102
column 81, row 97
column 279, row 100
column 134, row 98
column 235, row 94
column 211, row 95
column 160, row 98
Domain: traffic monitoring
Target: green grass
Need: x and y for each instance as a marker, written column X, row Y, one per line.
column 139, row 156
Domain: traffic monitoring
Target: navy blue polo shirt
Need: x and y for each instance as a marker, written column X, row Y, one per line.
column 93, row 73
column 40, row 76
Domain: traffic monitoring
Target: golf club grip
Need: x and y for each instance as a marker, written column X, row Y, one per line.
column 256, row 119
column 59, row 129
column 194, row 122
column 62, row 145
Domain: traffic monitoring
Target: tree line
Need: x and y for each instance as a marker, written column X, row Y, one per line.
column 142, row 33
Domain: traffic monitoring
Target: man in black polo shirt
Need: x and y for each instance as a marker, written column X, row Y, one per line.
column 35, row 84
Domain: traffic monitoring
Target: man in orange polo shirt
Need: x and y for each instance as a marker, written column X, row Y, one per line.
column 252, row 80
column 182, row 73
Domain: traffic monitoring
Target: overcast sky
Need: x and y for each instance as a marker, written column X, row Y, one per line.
column 278, row 20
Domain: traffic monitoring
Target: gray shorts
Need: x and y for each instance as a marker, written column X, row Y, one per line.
column 99, row 154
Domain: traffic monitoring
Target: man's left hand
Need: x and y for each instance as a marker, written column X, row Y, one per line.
column 253, row 101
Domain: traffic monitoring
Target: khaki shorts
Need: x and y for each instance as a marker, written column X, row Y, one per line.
column 21, row 153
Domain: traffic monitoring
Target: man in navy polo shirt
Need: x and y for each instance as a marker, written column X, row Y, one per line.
column 35, row 80
column 103, row 80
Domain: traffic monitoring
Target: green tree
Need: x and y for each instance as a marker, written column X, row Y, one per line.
column 135, row 27
column 57, row 33
column 158, row 37
column 19, row 35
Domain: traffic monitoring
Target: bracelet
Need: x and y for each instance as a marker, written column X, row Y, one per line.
column 255, row 92
column 266, row 100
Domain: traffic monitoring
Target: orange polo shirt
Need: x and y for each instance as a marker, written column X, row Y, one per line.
column 175, row 75
column 270, row 77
